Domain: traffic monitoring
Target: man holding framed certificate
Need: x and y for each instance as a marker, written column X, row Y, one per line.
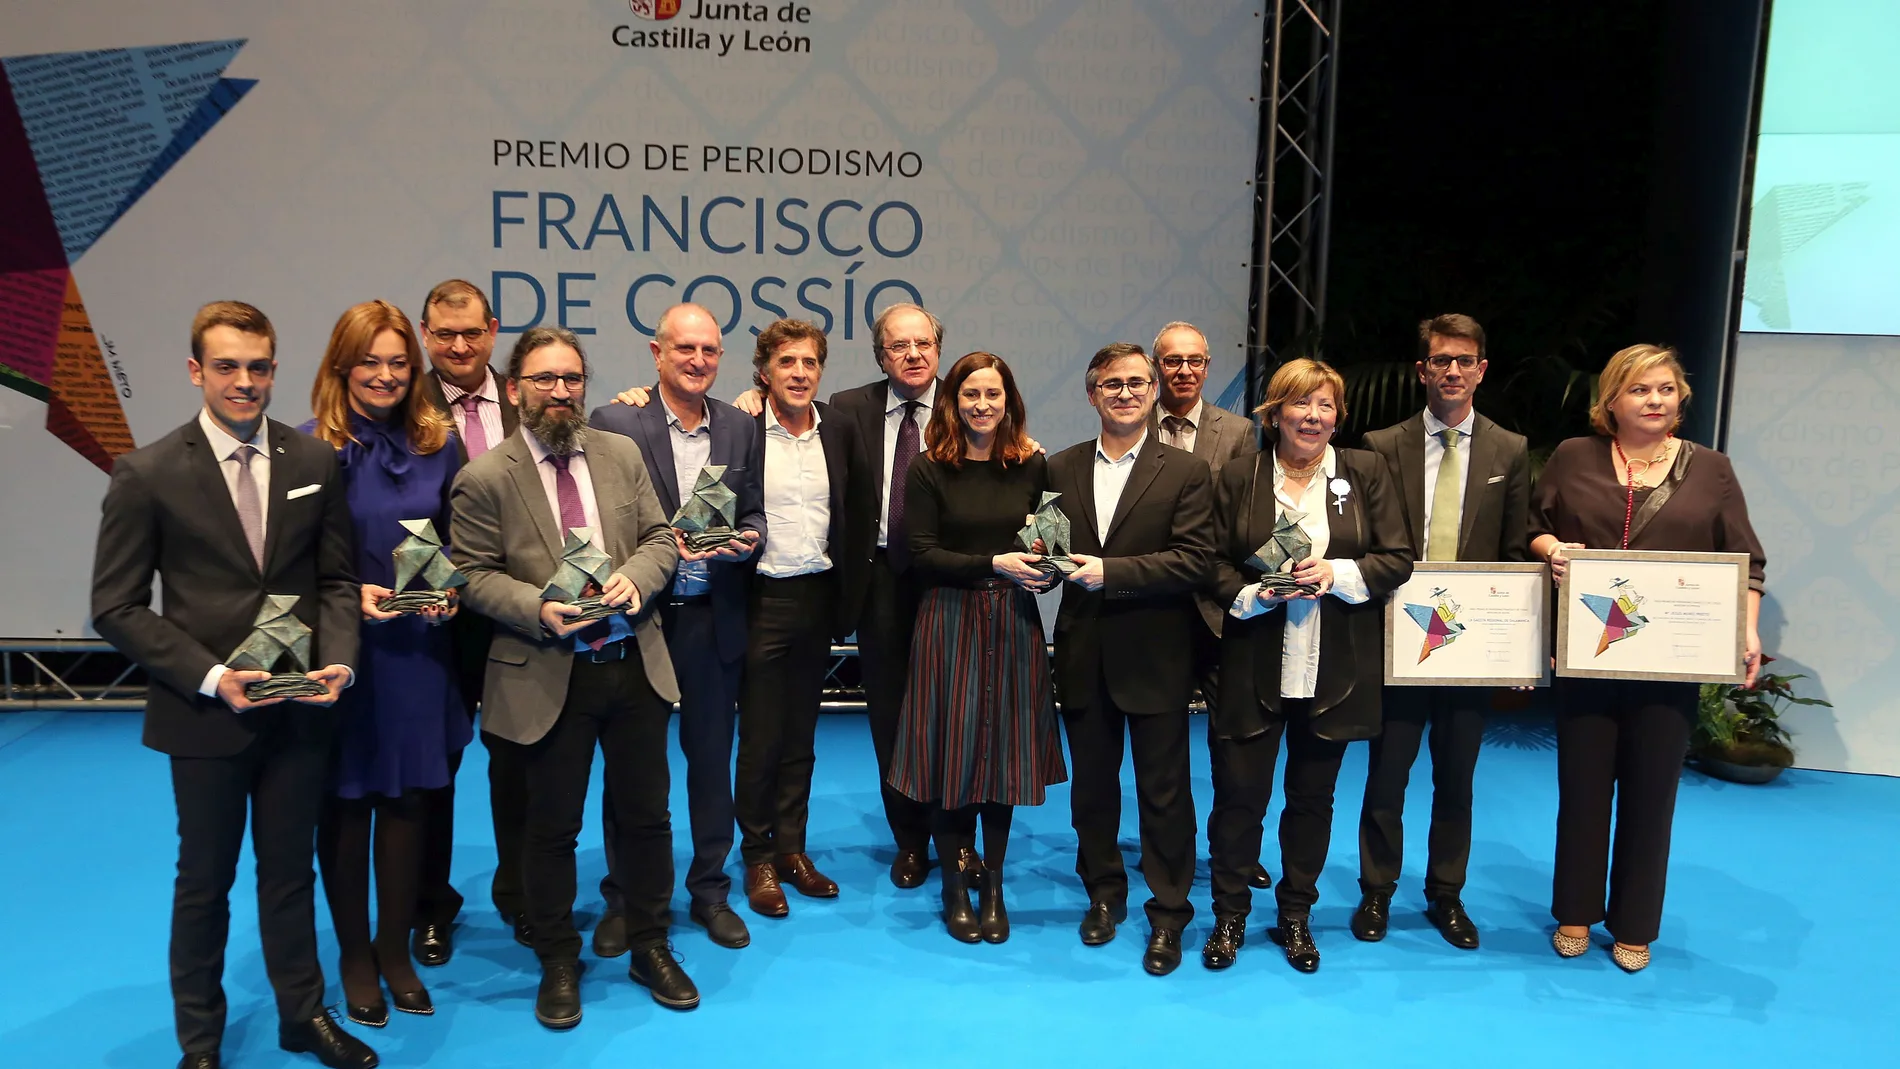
column 1465, row 485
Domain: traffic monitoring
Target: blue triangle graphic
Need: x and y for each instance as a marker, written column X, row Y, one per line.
column 99, row 121
column 222, row 98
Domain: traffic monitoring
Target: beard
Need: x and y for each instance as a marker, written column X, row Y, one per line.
column 562, row 432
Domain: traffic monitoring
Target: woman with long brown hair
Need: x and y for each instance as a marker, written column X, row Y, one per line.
column 977, row 735
column 406, row 719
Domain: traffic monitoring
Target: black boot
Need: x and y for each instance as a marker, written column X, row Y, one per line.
column 989, row 897
column 957, row 914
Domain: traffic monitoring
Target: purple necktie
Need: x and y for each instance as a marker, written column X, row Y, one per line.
column 475, row 436
column 897, row 540
column 567, row 493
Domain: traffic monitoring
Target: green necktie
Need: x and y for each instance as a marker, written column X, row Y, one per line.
column 1441, row 542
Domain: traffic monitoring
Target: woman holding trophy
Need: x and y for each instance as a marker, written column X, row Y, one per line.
column 407, row 718
column 977, row 735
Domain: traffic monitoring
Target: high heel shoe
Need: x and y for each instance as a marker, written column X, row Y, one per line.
column 958, row 917
column 1630, row 959
column 994, row 917
column 1569, row 946
column 414, row 1001
column 373, row 1014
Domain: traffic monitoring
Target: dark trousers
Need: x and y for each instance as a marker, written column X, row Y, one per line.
column 709, row 701
column 787, row 650
column 437, row 900
column 1163, row 795
column 1243, row 783
column 610, row 704
column 1456, row 717
column 1622, row 740
column 890, row 619
column 278, row 781
column 508, row 806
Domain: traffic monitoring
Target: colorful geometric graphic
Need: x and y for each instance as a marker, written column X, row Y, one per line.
column 1439, row 621
column 83, row 135
column 1618, row 611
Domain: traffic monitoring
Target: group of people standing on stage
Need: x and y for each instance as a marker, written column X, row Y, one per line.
column 893, row 512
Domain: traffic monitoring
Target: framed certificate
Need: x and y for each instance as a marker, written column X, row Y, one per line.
column 1646, row 614
column 1469, row 624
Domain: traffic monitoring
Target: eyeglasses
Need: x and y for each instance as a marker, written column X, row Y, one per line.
column 471, row 335
column 1176, row 363
column 711, row 352
column 1114, row 387
column 905, row 348
column 1440, row 362
column 545, row 381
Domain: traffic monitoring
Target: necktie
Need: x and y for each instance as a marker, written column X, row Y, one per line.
column 474, row 435
column 1176, row 426
column 567, row 493
column 897, row 544
column 250, row 506
column 1441, row 542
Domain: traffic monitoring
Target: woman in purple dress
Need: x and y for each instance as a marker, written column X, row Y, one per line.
column 406, row 719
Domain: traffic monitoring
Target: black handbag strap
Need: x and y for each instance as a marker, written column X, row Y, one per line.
column 1664, row 491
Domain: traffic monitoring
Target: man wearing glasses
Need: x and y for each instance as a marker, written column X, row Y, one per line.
column 1141, row 515
column 1466, row 496
column 704, row 614
column 459, row 330
column 559, row 684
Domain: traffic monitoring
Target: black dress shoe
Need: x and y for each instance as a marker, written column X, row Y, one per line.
column 416, row 1002
column 1449, row 917
column 1223, row 947
column 1164, row 952
column 657, row 970
column 958, row 918
column 908, row 870
column 1258, row 877
column 1295, row 935
column 610, row 935
column 1098, row 924
column 432, row 944
column 324, row 1037
column 207, row 1059
column 1374, row 914
column 992, row 915
column 558, row 1003
column 724, row 926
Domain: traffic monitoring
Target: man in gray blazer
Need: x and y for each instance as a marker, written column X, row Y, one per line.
column 557, row 684
column 1185, row 420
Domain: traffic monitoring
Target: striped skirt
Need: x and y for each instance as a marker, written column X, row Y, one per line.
column 979, row 719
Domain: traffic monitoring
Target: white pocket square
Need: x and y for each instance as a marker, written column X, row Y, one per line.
column 303, row 491
column 1494, row 479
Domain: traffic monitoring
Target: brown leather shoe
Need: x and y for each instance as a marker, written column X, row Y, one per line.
column 762, row 891
column 907, row 871
column 797, row 870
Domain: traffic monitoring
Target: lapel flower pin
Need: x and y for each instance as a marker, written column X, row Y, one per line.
column 1340, row 489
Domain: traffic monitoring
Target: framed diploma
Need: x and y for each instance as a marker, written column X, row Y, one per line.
column 1469, row 624
column 1646, row 614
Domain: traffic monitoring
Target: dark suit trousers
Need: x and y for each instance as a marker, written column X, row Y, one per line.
column 1243, row 785
column 279, row 781
column 890, row 619
column 508, row 808
column 613, row 705
column 709, row 700
column 1456, row 717
column 1622, row 741
column 787, row 650
column 437, row 900
column 1163, row 794
column 1306, row 823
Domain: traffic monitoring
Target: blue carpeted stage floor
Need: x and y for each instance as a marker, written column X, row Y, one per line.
column 1775, row 950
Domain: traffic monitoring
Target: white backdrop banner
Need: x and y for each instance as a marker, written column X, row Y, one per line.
column 1046, row 175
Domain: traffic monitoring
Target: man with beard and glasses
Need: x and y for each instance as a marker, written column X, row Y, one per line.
column 557, row 685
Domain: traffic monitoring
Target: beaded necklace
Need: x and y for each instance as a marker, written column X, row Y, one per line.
column 1629, row 479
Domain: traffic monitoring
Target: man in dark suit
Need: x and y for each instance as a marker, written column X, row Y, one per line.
column 810, row 569
column 704, row 615
column 224, row 511
column 557, row 685
column 1185, row 420
column 1465, row 485
column 459, row 330
column 1140, row 514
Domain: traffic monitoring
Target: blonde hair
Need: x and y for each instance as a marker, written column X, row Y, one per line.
column 1626, row 367
column 1294, row 380
column 355, row 331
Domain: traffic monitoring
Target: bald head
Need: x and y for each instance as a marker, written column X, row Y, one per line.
column 686, row 350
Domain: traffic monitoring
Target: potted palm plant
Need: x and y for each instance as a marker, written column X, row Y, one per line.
column 1738, row 733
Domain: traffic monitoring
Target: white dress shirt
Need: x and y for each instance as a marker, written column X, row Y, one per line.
column 1185, row 439
column 893, row 411
column 1435, row 453
column 489, row 407
column 620, row 624
column 224, row 449
column 692, row 450
column 1299, row 656
column 797, row 500
column 1111, row 478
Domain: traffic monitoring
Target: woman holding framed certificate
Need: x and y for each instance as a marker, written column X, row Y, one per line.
column 1633, row 486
